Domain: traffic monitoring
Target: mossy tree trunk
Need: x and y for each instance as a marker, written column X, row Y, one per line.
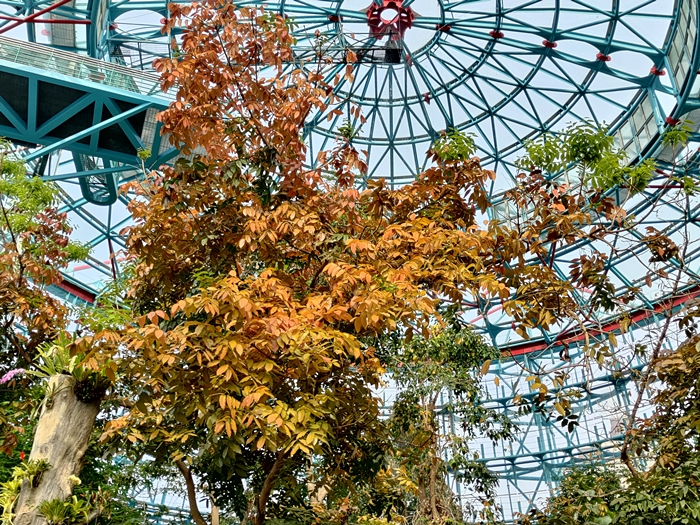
column 61, row 438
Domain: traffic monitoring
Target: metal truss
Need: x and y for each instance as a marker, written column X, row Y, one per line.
column 82, row 122
column 531, row 466
column 505, row 71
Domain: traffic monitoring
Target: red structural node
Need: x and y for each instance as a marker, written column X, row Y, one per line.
column 657, row 72
column 603, row 57
column 395, row 21
column 426, row 97
column 496, row 34
column 548, row 44
column 335, row 18
column 443, row 27
column 672, row 121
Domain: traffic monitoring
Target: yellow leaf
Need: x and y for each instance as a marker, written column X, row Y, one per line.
column 625, row 324
column 485, row 367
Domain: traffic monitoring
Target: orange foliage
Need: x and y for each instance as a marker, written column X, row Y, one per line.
column 258, row 279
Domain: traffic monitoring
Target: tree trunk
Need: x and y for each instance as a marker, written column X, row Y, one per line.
column 316, row 494
column 267, row 487
column 61, row 438
column 432, row 427
column 191, row 493
column 214, row 512
column 433, row 487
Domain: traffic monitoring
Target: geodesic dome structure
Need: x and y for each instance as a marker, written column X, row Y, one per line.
column 79, row 98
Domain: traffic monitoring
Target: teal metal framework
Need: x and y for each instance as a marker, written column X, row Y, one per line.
column 78, row 99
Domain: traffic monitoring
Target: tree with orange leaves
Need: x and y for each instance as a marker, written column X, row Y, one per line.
column 259, row 281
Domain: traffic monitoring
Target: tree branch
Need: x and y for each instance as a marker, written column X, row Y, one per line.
column 267, row 488
column 191, row 493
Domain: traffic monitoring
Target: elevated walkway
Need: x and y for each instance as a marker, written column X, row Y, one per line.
column 60, row 100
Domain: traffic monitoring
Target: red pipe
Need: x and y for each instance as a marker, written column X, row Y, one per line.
column 77, row 291
column 54, row 21
column 611, row 326
column 34, row 16
column 82, row 267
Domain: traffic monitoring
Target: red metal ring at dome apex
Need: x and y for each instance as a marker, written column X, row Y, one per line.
column 397, row 26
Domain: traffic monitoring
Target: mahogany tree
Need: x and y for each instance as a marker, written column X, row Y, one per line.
column 35, row 246
column 260, row 285
column 259, row 281
column 435, row 375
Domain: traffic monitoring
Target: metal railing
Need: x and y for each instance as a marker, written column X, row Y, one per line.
column 82, row 67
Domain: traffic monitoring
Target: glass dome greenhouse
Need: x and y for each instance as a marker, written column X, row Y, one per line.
column 79, row 98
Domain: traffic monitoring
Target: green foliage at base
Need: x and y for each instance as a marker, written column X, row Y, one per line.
column 30, row 471
column 595, row 495
column 59, row 512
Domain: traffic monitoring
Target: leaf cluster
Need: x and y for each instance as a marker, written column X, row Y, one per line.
column 594, row 495
column 586, row 153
